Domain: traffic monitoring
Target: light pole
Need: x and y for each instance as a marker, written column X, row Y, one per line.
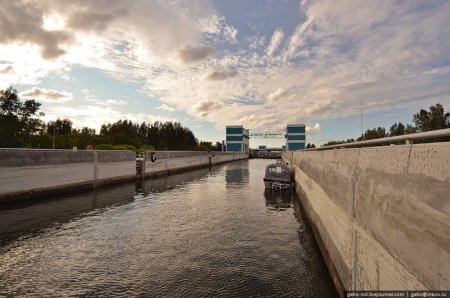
column 54, row 126
column 362, row 134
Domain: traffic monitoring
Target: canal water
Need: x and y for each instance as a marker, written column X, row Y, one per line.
column 207, row 233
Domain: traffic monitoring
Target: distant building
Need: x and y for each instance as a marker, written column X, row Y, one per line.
column 295, row 137
column 262, row 150
column 237, row 139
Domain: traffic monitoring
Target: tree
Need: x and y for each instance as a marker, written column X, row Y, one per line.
column 59, row 127
column 218, row 146
column 409, row 129
column 397, row 129
column 375, row 133
column 308, row 146
column 82, row 138
column 205, row 146
column 433, row 119
column 331, row 143
column 19, row 121
column 120, row 132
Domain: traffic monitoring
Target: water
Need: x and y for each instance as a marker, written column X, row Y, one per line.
column 206, row 233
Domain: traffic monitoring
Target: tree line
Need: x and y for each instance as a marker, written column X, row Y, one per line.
column 433, row 119
column 20, row 127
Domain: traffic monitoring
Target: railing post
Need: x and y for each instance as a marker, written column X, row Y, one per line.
column 144, row 159
column 95, row 170
column 167, row 162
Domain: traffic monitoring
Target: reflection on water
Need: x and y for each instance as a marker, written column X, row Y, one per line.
column 279, row 199
column 236, row 176
column 25, row 218
column 199, row 234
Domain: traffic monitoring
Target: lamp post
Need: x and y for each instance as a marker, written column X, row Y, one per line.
column 362, row 133
column 54, row 126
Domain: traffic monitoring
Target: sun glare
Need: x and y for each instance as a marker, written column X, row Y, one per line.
column 53, row 22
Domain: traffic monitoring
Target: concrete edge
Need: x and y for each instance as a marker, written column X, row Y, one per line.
column 339, row 285
column 38, row 194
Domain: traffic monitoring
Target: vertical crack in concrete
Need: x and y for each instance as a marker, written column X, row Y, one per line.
column 354, row 178
column 409, row 159
column 355, row 271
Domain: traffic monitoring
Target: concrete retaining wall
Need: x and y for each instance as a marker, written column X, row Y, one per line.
column 381, row 215
column 28, row 174
column 167, row 162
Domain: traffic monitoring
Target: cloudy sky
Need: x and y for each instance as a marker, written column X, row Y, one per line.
column 208, row 64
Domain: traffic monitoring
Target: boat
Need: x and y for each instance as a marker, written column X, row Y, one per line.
column 278, row 175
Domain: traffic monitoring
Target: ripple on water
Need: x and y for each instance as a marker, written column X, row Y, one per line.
column 198, row 234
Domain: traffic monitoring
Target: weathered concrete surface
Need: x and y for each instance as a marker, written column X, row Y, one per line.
column 381, row 213
column 37, row 174
column 169, row 162
column 45, row 172
column 18, row 158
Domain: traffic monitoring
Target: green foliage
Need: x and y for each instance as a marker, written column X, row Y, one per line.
column 19, row 121
column 21, row 127
column 208, row 146
column 146, row 148
column 433, row 119
column 115, row 147
column 59, row 127
column 397, row 129
column 331, row 143
column 375, row 133
column 104, row 147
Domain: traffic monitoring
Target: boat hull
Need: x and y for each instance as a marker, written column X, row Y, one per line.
column 278, row 184
column 277, row 176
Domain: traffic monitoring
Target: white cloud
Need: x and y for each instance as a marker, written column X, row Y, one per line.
column 205, row 107
column 47, row 95
column 6, row 69
column 21, row 21
column 256, row 42
column 220, row 74
column 165, row 107
column 313, row 130
column 276, row 95
column 113, row 102
column 320, row 106
column 230, row 34
column 95, row 117
column 190, row 54
column 391, row 54
column 275, row 42
column 298, row 39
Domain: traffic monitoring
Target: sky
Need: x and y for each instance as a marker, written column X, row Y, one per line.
column 262, row 64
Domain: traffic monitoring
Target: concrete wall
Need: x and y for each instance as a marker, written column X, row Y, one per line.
column 27, row 174
column 168, row 161
column 381, row 215
column 33, row 173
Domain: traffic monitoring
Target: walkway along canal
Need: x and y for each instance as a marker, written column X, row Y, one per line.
column 208, row 232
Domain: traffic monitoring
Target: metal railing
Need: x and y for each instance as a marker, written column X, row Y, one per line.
column 407, row 138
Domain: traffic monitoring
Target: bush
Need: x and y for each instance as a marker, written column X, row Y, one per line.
column 115, row 147
column 146, row 148
column 104, row 147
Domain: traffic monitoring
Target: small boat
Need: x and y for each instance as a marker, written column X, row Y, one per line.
column 278, row 175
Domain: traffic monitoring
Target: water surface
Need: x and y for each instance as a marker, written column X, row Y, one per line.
column 206, row 233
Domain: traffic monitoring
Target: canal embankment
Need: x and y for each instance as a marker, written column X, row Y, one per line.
column 211, row 232
column 31, row 174
column 381, row 215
